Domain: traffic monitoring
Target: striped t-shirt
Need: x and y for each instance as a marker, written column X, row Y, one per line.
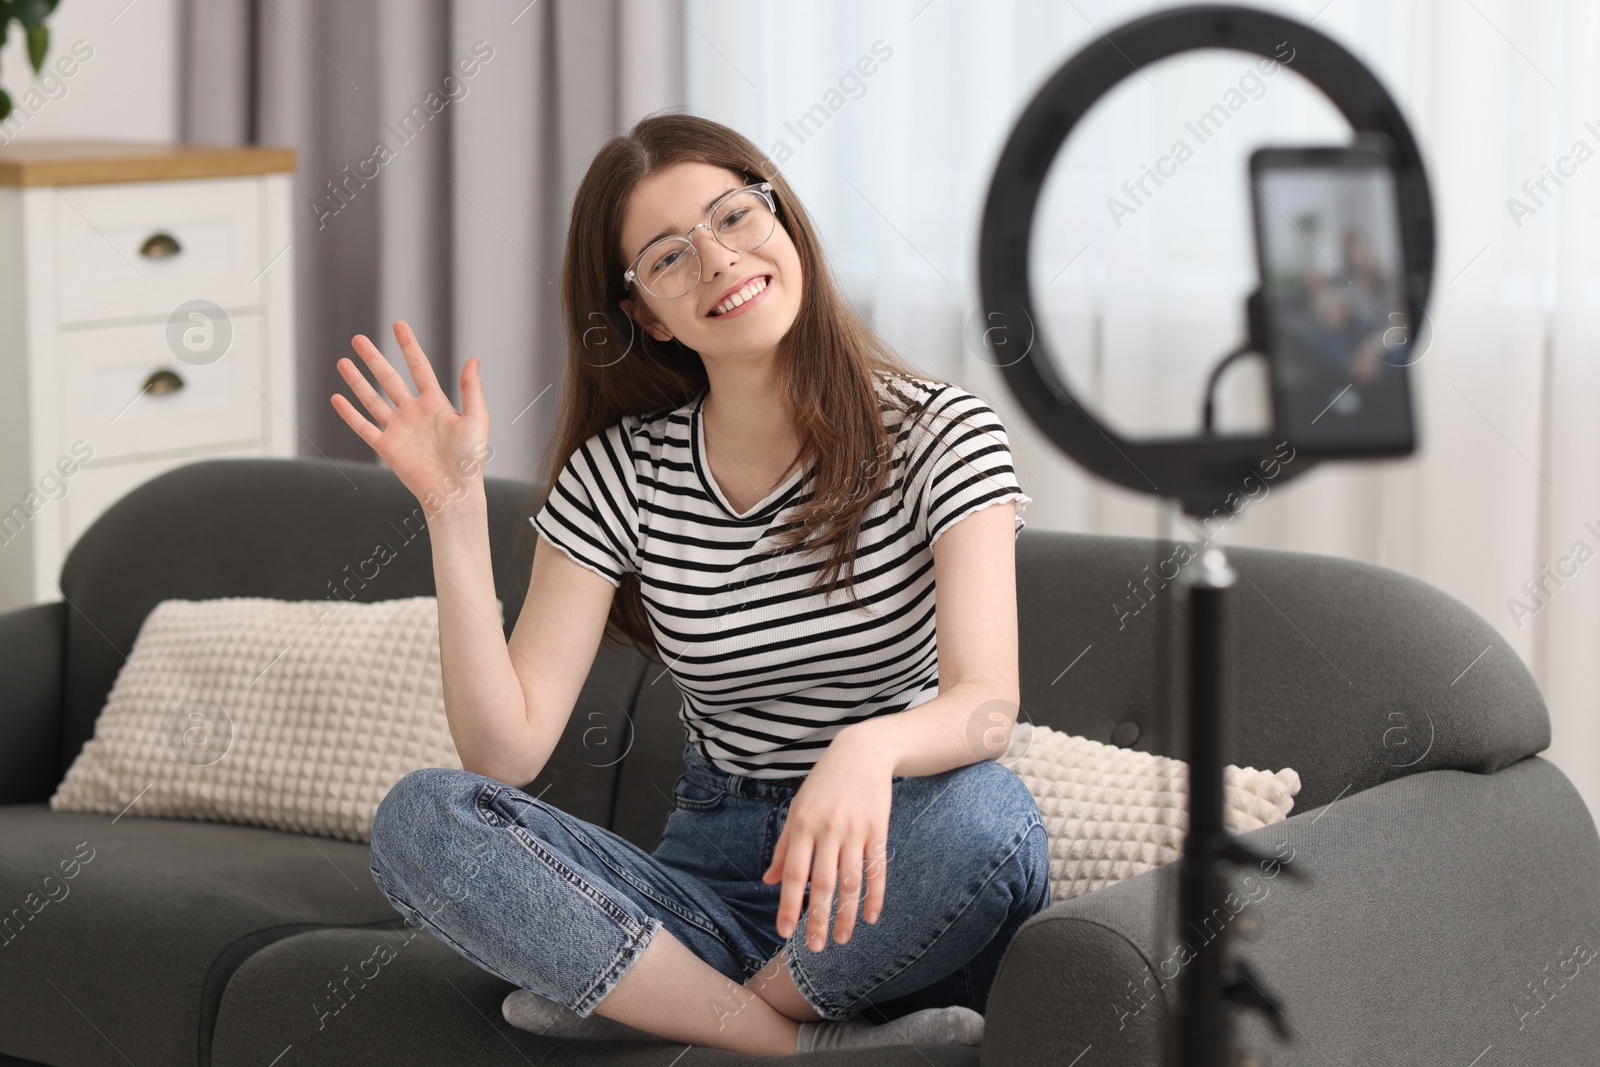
column 768, row 672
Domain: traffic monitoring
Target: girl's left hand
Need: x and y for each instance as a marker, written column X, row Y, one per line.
column 838, row 821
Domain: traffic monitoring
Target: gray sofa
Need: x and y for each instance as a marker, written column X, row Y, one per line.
column 1454, row 873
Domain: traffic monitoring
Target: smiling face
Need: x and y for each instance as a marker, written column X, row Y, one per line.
column 675, row 199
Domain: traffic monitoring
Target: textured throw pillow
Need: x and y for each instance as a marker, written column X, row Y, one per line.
column 1112, row 813
column 292, row 715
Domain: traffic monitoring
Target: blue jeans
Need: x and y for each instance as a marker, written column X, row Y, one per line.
column 563, row 907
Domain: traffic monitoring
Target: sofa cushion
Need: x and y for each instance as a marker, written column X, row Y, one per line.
column 292, row 715
column 1112, row 813
column 120, row 933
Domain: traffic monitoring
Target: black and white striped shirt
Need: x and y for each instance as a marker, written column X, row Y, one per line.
column 770, row 673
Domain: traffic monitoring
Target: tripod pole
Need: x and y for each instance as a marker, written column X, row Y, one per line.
column 1205, row 1024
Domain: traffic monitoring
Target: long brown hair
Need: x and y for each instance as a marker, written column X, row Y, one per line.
column 826, row 360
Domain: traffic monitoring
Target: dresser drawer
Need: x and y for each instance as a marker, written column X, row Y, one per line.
column 104, row 401
column 109, row 239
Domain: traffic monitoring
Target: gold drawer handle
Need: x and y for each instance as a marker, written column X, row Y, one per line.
column 160, row 246
column 163, row 381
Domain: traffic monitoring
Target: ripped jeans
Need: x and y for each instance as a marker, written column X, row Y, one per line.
column 563, row 907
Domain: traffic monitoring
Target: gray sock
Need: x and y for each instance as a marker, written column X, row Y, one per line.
column 527, row 1010
column 930, row 1026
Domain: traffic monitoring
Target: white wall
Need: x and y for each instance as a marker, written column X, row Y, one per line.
column 127, row 88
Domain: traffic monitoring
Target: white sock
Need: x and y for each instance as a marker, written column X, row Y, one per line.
column 527, row 1010
column 930, row 1026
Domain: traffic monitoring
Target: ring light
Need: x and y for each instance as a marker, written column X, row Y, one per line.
column 1201, row 471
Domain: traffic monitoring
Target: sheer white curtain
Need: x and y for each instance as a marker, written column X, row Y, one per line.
column 888, row 118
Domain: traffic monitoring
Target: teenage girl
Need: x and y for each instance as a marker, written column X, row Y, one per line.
column 761, row 496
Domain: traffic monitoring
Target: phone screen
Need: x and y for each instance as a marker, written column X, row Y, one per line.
column 1334, row 305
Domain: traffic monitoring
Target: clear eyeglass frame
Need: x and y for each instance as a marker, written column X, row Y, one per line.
column 764, row 189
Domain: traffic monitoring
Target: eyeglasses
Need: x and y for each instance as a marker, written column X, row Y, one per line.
column 741, row 220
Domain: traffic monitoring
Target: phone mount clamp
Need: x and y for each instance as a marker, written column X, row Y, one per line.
column 1202, row 472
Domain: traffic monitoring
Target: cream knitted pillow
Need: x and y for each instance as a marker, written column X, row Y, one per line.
column 1112, row 813
column 292, row 715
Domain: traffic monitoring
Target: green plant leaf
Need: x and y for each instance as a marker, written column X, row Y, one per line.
column 38, row 45
column 31, row 13
column 5, row 105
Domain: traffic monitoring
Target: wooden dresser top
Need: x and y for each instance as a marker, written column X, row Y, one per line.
column 92, row 162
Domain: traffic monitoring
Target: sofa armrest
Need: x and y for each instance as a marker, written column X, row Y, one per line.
column 1447, row 911
column 32, row 664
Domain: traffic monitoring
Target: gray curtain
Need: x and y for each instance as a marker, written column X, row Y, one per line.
column 440, row 144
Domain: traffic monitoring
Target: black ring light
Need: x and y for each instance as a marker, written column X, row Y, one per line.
column 1200, row 471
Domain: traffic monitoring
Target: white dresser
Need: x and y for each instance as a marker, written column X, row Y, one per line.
column 146, row 321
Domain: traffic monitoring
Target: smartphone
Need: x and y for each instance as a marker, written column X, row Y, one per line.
column 1334, row 315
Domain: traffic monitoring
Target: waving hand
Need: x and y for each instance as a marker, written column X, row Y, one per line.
column 432, row 448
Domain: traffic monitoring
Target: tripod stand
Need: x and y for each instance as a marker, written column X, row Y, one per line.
column 1214, row 984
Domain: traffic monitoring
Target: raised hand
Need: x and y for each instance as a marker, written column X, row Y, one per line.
column 435, row 451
